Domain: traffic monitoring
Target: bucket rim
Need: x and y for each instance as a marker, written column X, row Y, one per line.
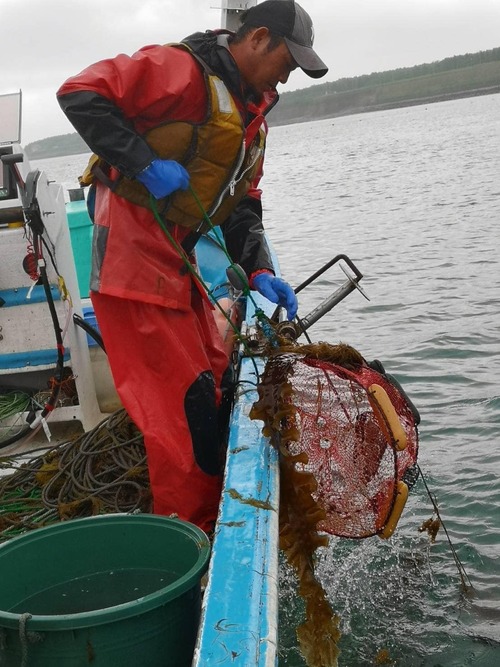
column 125, row 610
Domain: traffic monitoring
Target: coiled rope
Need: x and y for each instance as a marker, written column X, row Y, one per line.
column 102, row 471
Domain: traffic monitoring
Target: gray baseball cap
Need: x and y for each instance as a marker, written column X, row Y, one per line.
column 287, row 19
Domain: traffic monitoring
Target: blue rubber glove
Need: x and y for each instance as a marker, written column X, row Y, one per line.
column 278, row 291
column 162, row 177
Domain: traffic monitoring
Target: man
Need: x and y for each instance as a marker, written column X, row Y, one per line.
column 171, row 122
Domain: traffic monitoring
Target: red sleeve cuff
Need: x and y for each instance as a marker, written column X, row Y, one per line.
column 256, row 273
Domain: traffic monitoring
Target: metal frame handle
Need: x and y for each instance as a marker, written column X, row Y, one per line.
column 330, row 302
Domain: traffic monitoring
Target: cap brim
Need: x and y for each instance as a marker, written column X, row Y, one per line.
column 307, row 59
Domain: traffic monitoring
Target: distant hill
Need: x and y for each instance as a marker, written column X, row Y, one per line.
column 459, row 76
column 63, row 144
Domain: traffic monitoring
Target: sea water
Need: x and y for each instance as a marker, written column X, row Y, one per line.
column 412, row 196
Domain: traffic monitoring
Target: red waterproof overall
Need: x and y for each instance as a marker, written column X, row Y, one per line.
column 156, row 354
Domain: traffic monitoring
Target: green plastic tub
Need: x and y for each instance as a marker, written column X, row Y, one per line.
column 109, row 591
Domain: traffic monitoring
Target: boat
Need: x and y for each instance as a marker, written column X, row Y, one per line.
column 239, row 615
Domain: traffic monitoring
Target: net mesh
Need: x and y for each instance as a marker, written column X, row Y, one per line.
column 352, row 457
column 341, row 432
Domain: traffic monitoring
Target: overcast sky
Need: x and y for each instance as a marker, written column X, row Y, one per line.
column 43, row 42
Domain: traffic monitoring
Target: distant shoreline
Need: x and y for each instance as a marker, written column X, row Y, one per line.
column 444, row 97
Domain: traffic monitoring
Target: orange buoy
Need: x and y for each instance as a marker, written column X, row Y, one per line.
column 387, row 416
column 397, row 510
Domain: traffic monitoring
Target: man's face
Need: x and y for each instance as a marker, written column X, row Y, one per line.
column 264, row 69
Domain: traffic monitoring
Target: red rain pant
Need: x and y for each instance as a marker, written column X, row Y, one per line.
column 162, row 361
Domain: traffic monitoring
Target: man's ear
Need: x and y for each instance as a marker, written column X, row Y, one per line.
column 259, row 35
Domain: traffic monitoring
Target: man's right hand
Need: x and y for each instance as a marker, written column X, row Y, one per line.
column 277, row 291
column 162, row 177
